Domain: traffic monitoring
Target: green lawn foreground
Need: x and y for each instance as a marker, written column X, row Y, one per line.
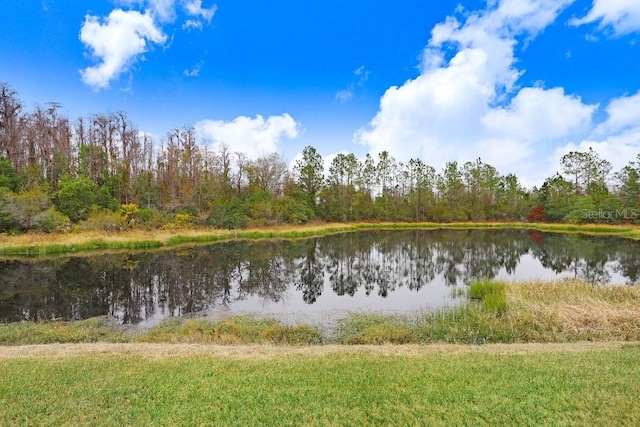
column 527, row 384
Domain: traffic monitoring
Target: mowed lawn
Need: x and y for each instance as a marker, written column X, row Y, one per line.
column 178, row 384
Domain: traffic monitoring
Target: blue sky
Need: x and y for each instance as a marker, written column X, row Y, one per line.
column 517, row 83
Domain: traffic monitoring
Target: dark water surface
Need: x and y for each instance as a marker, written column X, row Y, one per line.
column 305, row 280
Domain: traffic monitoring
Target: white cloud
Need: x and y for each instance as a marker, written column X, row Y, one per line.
column 622, row 114
column 539, row 115
column 164, row 10
column 195, row 71
column 192, row 24
column 116, row 42
column 346, row 95
column 160, row 10
column 363, row 75
column 253, row 136
column 623, row 16
column 466, row 102
column 194, row 8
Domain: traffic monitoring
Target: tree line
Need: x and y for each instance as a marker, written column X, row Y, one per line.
column 101, row 172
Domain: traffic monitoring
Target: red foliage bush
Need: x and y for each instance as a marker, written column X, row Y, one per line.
column 537, row 214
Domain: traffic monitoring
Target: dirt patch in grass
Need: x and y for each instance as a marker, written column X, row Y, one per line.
column 271, row 351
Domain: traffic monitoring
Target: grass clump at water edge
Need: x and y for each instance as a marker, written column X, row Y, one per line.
column 84, row 331
column 361, row 328
column 492, row 295
column 234, row 330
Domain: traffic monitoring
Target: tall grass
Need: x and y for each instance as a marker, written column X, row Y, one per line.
column 572, row 310
column 362, row 328
column 85, row 331
column 234, row 330
column 498, row 312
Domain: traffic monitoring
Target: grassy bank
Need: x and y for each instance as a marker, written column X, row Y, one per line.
column 132, row 385
column 496, row 312
column 559, row 311
column 33, row 244
column 234, row 330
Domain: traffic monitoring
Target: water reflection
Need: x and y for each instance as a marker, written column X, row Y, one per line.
column 363, row 269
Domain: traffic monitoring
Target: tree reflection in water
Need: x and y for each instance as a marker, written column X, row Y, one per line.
column 138, row 286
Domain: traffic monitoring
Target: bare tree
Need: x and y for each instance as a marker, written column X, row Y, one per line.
column 10, row 124
column 267, row 173
column 242, row 162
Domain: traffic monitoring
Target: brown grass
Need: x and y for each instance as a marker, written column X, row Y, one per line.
column 41, row 239
column 578, row 310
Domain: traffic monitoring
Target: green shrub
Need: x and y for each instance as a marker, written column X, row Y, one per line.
column 149, row 218
column 231, row 214
column 294, row 211
column 50, row 220
column 21, row 209
column 76, row 197
column 101, row 219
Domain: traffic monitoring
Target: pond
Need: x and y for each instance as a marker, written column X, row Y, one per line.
column 307, row 280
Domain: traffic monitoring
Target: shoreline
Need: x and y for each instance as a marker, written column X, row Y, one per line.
column 40, row 244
